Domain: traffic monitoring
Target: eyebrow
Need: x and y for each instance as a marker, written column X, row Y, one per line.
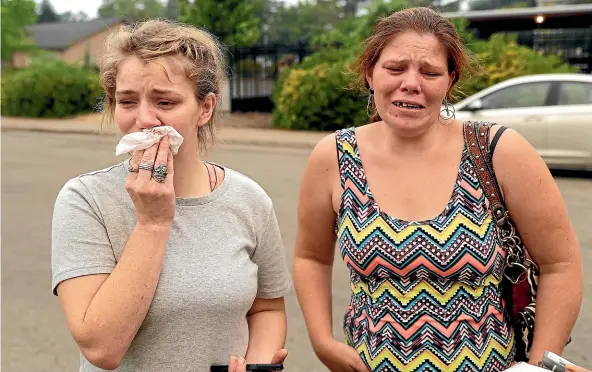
column 125, row 92
column 403, row 60
column 164, row 91
column 156, row 90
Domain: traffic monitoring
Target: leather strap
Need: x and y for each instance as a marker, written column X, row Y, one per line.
column 477, row 139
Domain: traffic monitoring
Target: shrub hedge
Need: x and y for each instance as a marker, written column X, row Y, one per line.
column 51, row 89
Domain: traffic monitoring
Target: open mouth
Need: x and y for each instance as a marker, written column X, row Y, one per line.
column 409, row 106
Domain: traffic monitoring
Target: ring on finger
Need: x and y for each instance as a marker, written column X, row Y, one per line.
column 146, row 166
column 160, row 173
column 131, row 169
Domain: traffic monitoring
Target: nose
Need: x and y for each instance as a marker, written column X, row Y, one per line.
column 147, row 117
column 410, row 82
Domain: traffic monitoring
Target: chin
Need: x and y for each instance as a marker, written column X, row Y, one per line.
column 409, row 124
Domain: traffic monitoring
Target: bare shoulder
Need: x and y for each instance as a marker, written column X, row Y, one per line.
column 516, row 160
column 326, row 145
column 533, row 200
column 316, row 202
column 322, row 161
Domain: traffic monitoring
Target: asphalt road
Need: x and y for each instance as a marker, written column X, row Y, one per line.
column 36, row 165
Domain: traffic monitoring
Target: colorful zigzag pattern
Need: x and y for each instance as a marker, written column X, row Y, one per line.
column 426, row 295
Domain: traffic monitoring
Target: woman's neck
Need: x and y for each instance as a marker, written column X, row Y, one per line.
column 191, row 177
column 424, row 142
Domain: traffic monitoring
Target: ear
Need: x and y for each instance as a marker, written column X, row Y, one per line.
column 369, row 79
column 208, row 105
column 452, row 77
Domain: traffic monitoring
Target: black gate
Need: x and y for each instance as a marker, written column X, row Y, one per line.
column 254, row 73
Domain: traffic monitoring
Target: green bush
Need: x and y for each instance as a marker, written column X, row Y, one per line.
column 50, row 88
column 314, row 94
column 315, row 99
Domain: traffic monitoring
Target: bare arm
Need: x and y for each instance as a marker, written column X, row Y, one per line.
column 267, row 329
column 315, row 241
column 314, row 252
column 105, row 311
column 537, row 207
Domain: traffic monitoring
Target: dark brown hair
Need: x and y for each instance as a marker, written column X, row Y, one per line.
column 423, row 21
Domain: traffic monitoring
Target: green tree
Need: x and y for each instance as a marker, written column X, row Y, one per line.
column 133, row 9
column 266, row 10
column 47, row 13
column 305, row 20
column 74, row 17
column 347, row 37
column 351, row 7
column 234, row 22
column 16, row 15
column 317, row 93
column 172, row 10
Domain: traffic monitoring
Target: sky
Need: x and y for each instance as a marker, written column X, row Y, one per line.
column 90, row 6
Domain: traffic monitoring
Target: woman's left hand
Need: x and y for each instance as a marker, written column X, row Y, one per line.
column 240, row 365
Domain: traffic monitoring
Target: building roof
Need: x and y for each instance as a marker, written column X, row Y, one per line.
column 61, row 35
column 520, row 13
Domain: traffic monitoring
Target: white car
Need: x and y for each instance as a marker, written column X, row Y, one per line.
column 552, row 111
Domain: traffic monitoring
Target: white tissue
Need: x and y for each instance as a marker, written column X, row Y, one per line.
column 148, row 137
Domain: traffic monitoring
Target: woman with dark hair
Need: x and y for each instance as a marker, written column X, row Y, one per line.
column 407, row 205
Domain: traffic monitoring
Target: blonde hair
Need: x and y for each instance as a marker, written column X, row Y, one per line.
column 200, row 53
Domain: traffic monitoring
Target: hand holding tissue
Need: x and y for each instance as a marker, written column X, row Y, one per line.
column 148, row 137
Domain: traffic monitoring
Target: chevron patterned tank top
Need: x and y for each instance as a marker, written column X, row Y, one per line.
column 426, row 295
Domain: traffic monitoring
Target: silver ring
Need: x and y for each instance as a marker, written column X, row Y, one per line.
column 160, row 173
column 146, row 166
column 131, row 169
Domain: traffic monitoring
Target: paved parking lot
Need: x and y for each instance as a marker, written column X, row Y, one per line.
column 36, row 165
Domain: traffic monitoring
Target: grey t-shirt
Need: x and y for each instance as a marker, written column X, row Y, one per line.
column 224, row 250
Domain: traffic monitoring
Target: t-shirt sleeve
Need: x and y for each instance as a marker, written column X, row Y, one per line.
column 79, row 244
column 274, row 278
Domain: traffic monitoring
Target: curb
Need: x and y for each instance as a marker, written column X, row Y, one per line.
column 50, row 130
column 222, row 139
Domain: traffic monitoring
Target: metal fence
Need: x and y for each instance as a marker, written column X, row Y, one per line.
column 574, row 45
column 255, row 70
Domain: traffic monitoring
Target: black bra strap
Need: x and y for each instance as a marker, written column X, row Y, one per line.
column 496, row 138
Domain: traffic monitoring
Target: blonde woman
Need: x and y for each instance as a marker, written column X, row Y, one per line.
column 162, row 262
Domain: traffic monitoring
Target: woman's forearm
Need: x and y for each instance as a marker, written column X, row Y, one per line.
column 119, row 307
column 313, row 287
column 267, row 335
column 559, row 299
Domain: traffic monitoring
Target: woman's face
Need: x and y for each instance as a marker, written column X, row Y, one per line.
column 410, row 80
column 145, row 98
